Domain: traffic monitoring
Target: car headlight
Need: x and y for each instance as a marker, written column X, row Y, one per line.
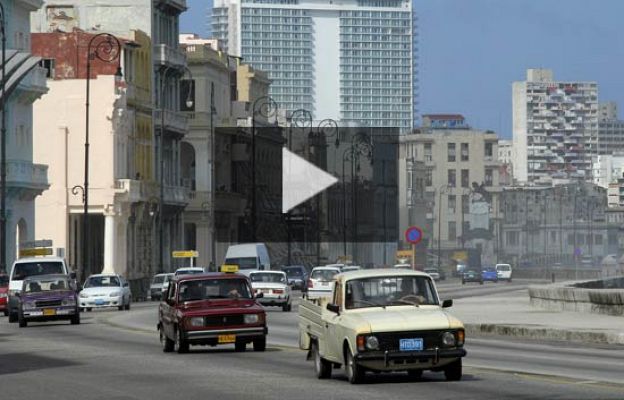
column 372, row 343
column 84, row 296
column 251, row 318
column 196, row 321
column 448, row 339
column 115, row 294
column 69, row 302
column 29, row 305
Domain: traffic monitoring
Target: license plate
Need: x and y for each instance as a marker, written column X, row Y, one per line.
column 99, row 302
column 227, row 338
column 49, row 311
column 325, row 283
column 410, row 344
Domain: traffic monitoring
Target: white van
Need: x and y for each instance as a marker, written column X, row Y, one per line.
column 32, row 266
column 249, row 257
column 503, row 271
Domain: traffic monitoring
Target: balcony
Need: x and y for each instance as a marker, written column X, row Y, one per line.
column 179, row 5
column 198, row 119
column 169, row 56
column 137, row 95
column 129, row 190
column 177, row 195
column 26, row 179
column 35, row 82
column 175, row 122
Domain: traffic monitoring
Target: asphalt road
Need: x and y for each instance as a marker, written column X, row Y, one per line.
column 116, row 355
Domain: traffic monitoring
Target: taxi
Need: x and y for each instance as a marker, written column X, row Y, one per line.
column 211, row 309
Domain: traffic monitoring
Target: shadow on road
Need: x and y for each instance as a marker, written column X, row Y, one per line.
column 15, row 363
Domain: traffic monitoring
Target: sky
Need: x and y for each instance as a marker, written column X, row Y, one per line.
column 470, row 51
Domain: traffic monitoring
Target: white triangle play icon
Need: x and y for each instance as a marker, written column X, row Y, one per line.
column 301, row 180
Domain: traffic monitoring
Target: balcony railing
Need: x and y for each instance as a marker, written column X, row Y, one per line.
column 27, row 175
column 177, row 195
column 170, row 56
column 35, row 81
column 176, row 122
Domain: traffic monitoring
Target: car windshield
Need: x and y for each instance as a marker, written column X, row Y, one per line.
column 24, row 270
column 243, row 262
column 390, row 291
column 293, row 272
column 503, row 267
column 267, row 277
column 324, row 274
column 206, row 289
column 158, row 279
column 46, row 285
column 4, row 281
column 102, row 281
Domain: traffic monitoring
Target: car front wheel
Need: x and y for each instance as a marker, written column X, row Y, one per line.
column 180, row 344
column 453, row 371
column 259, row 344
column 355, row 373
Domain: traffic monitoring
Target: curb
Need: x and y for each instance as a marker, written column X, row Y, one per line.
column 527, row 332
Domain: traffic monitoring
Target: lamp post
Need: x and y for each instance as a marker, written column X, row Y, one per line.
column 213, row 186
column 441, row 190
column 189, row 104
column 266, row 107
column 3, row 99
column 301, row 119
column 106, row 48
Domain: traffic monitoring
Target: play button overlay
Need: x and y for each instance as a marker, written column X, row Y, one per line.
column 301, row 180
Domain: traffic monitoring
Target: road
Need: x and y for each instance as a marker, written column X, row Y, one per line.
column 116, row 355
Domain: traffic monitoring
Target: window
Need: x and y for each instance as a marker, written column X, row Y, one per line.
column 570, row 239
column 553, row 236
column 489, row 149
column 512, row 238
column 451, row 151
column 452, row 230
column 452, row 201
column 465, row 178
column 489, row 177
column 465, row 203
column 464, row 151
column 429, row 177
column 427, row 152
column 598, row 239
column 451, row 177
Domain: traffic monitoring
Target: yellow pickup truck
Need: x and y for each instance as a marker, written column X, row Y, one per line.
column 382, row 320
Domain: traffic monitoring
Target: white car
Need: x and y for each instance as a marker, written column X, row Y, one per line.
column 503, row 271
column 348, row 268
column 189, row 271
column 433, row 272
column 274, row 288
column 105, row 290
column 157, row 287
column 321, row 282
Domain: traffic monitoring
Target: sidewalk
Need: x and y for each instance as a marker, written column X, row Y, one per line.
column 510, row 314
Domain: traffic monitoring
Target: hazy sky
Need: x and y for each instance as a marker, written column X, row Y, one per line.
column 472, row 50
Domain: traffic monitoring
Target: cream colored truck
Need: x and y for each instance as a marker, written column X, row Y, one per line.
column 382, row 320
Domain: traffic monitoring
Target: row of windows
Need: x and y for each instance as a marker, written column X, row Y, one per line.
column 375, row 84
column 377, row 14
column 374, row 22
column 292, row 83
column 280, row 59
column 372, row 55
column 380, row 99
column 290, row 90
column 393, row 77
column 365, row 68
column 374, row 107
column 292, row 75
column 277, row 21
column 367, row 29
column 248, row 50
column 284, row 68
column 275, row 28
column 381, row 115
column 278, row 35
column 273, row 11
column 382, row 41
column 405, row 62
column 277, row 43
column 512, row 238
column 379, row 3
column 369, row 45
column 292, row 98
column 375, row 92
column 271, row 1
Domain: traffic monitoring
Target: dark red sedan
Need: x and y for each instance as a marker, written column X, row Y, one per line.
column 211, row 309
column 4, row 293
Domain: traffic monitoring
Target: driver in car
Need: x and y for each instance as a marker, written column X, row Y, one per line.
column 409, row 292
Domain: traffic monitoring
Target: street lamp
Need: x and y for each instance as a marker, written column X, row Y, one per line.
column 107, row 48
column 266, row 107
column 3, row 185
column 441, row 189
column 189, row 104
column 301, row 119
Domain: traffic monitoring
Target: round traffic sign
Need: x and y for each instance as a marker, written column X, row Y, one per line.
column 413, row 235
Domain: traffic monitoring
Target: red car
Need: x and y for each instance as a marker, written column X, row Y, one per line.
column 211, row 309
column 4, row 294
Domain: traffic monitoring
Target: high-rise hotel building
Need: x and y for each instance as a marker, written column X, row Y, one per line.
column 350, row 60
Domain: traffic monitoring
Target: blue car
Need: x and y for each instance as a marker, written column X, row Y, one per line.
column 489, row 274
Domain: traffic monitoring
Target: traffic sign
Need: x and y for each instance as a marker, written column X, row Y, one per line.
column 37, row 243
column 42, row 251
column 185, row 253
column 229, row 268
column 413, row 235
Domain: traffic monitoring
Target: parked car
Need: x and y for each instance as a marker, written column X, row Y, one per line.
column 165, row 284
column 249, row 257
column 211, row 309
column 23, row 268
column 433, row 272
column 274, row 288
column 297, row 276
column 48, row 298
column 504, row 272
column 472, row 275
column 4, row 294
column 157, row 285
column 489, row 274
column 105, row 290
column 382, row 320
column 321, row 281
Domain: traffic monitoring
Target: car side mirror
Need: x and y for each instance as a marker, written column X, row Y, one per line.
column 259, row 295
column 335, row 308
column 447, row 303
